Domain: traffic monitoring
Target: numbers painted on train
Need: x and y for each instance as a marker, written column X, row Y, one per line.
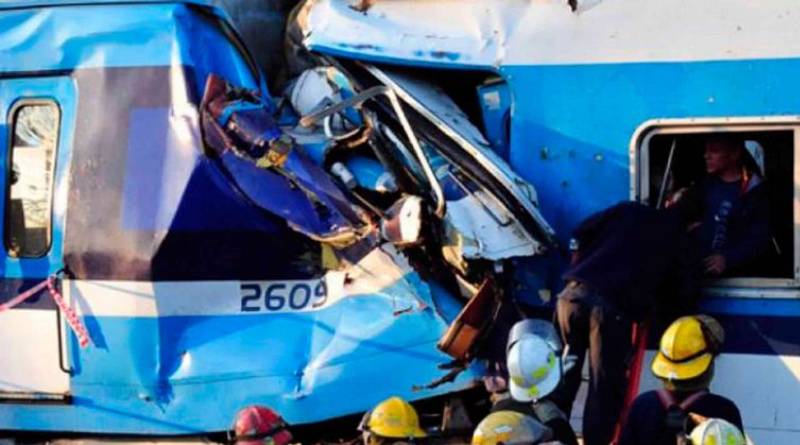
column 283, row 296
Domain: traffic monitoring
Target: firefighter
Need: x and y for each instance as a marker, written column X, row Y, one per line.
column 259, row 425
column 716, row 432
column 510, row 428
column 626, row 260
column 535, row 367
column 685, row 366
column 392, row 421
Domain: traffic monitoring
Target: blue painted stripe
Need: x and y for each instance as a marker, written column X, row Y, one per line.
column 761, row 335
column 752, row 326
column 416, row 60
column 784, row 308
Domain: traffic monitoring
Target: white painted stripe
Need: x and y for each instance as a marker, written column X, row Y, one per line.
column 379, row 270
column 500, row 32
column 29, row 352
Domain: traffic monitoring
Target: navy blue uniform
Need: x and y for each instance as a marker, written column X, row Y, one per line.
column 735, row 222
column 630, row 259
column 646, row 421
column 631, row 255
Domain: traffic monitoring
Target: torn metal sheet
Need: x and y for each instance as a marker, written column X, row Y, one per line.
column 483, row 228
column 436, row 106
column 266, row 167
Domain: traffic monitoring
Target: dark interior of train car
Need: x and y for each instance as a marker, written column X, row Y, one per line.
column 687, row 168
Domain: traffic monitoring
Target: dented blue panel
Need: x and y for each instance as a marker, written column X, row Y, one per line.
column 197, row 300
column 128, row 34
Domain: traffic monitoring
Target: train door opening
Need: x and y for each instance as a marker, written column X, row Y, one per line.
column 672, row 164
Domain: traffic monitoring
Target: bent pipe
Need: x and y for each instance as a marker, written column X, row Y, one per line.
column 309, row 120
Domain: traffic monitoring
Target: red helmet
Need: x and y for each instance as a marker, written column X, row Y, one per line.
column 259, row 425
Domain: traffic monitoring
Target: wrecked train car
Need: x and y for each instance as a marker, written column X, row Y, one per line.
column 597, row 101
column 178, row 244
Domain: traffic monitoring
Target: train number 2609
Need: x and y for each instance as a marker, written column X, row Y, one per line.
column 283, row 296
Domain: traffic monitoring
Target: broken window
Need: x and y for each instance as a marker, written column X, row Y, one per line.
column 674, row 162
column 29, row 193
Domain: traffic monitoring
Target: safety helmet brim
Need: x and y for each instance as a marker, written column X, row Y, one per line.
column 546, row 387
column 665, row 368
column 510, row 427
column 532, row 327
column 390, row 426
column 542, row 389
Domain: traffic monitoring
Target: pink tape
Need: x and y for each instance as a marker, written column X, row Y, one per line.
column 23, row 296
column 72, row 317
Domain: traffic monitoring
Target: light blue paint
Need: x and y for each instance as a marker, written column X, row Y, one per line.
column 21, row 4
column 197, row 407
column 162, row 382
column 495, row 101
column 122, row 35
column 368, row 172
column 572, row 125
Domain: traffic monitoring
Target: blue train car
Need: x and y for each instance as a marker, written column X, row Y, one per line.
column 154, row 283
column 595, row 98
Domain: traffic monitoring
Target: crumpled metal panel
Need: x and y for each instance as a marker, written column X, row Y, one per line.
column 440, row 109
column 269, row 170
column 496, row 33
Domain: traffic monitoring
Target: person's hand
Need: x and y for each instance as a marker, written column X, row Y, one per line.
column 715, row 264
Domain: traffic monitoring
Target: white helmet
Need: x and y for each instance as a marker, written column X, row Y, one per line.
column 756, row 153
column 536, row 328
column 716, row 432
column 534, row 363
column 318, row 88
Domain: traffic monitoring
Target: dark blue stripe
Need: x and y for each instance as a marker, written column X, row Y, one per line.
column 11, row 287
column 753, row 306
column 752, row 334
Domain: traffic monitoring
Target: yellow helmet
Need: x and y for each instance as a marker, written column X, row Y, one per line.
column 393, row 418
column 684, row 352
column 716, row 432
column 509, row 428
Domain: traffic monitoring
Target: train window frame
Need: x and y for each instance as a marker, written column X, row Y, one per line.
column 11, row 125
column 741, row 287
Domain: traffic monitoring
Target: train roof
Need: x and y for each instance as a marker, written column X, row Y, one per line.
column 22, row 4
column 496, row 33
